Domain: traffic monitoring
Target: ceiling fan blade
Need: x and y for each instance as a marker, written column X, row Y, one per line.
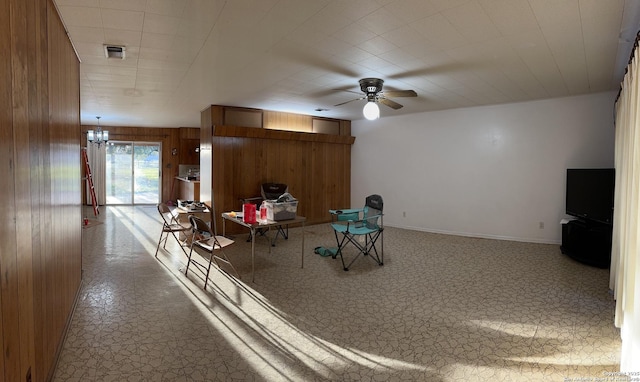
column 356, row 99
column 350, row 91
column 400, row 93
column 390, row 103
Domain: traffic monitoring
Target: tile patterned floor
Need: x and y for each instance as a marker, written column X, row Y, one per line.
column 442, row 308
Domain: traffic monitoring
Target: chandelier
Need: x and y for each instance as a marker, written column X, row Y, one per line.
column 98, row 136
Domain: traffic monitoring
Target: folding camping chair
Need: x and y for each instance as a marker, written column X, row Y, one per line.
column 205, row 239
column 171, row 226
column 351, row 225
column 270, row 191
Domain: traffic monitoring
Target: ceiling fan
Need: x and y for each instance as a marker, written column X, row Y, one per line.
column 372, row 89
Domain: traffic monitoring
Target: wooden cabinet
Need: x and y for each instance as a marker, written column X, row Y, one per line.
column 188, row 189
column 189, row 150
column 236, row 160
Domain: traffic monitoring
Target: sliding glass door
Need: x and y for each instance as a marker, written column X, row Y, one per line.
column 133, row 173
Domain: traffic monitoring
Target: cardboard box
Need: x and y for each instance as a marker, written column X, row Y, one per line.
column 281, row 211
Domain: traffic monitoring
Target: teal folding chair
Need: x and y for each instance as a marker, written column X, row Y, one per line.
column 352, row 225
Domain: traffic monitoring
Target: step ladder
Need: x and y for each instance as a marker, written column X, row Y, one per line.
column 89, row 177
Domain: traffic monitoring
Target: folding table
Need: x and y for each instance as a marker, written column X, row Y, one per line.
column 253, row 227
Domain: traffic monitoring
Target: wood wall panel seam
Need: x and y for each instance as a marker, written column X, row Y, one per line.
column 17, row 320
column 7, row 209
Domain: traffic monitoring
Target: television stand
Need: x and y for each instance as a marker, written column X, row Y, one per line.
column 588, row 242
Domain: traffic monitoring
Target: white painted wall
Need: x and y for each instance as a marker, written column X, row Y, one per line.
column 494, row 171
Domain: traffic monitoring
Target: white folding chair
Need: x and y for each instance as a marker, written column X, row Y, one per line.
column 171, row 226
column 206, row 240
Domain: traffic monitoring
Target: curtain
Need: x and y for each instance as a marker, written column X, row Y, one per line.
column 97, row 161
column 625, row 265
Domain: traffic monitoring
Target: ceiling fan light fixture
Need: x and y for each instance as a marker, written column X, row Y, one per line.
column 372, row 89
column 371, row 111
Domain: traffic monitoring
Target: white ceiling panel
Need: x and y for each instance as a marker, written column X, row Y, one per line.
column 600, row 26
column 409, row 11
column 354, row 34
column 79, row 3
column 443, row 5
column 130, row 62
column 157, row 40
column 80, row 16
column 87, row 34
column 510, row 16
column 352, row 9
column 207, row 10
column 89, row 49
column 123, row 71
column 472, row 22
column 299, row 55
column 124, row 5
column 128, row 38
column 110, row 81
column 438, row 31
column 161, row 24
column 124, row 20
column 377, row 46
column 381, row 21
column 398, row 57
column 104, row 69
column 325, row 20
column 403, row 36
column 165, row 7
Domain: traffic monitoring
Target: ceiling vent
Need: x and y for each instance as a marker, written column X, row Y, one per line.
column 114, row 51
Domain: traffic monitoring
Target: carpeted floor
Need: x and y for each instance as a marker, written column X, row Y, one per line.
column 442, row 308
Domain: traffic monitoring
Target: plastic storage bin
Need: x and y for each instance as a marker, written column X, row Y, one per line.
column 278, row 211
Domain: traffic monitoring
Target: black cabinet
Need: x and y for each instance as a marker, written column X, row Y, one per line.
column 587, row 242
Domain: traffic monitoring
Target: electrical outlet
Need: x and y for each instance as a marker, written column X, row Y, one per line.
column 404, row 214
column 541, row 225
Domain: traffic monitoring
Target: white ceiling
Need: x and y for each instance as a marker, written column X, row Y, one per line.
column 299, row 55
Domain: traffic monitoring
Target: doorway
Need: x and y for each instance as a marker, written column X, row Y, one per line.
column 133, row 172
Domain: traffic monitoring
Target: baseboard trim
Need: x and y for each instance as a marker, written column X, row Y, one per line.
column 63, row 338
column 478, row 235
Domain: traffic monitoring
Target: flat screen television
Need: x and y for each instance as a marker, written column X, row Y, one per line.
column 590, row 194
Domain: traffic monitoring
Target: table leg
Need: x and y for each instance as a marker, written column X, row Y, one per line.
column 302, row 253
column 253, row 253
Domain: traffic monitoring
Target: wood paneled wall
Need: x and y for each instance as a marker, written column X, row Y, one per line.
column 316, row 167
column 40, row 252
column 189, row 141
column 184, row 140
